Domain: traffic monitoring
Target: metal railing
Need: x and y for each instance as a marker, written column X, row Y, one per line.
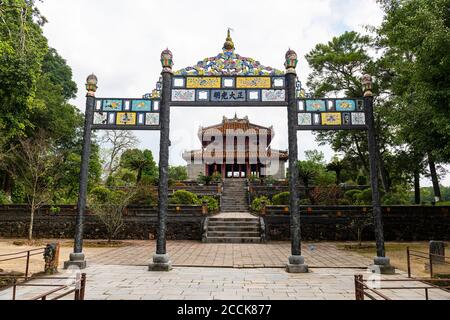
column 23, row 255
column 428, row 256
column 77, row 287
column 363, row 290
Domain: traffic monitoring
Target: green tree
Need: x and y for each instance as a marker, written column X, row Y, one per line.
column 415, row 38
column 141, row 162
column 178, row 173
column 337, row 69
column 22, row 50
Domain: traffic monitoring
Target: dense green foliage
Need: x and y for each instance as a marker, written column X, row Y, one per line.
column 212, row 203
column 259, row 203
column 411, row 73
column 35, row 86
column 281, row 199
column 183, row 197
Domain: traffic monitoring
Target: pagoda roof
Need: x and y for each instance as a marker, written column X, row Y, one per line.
column 235, row 124
column 270, row 154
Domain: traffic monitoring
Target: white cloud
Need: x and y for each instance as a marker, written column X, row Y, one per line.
column 121, row 42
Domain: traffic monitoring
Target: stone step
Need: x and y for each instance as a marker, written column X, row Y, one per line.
column 233, row 220
column 233, row 240
column 232, row 234
column 227, row 228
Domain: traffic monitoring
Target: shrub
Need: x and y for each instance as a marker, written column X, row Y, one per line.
column 100, row 194
column 18, row 194
column 217, row 177
column 326, row 195
column 281, row 199
column 205, row 180
column 213, row 203
column 4, row 198
column 364, row 198
column 361, row 180
column 183, row 197
column 352, row 195
column 344, row 202
column 145, row 195
column 259, row 203
column 109, row 207
column 305, row 202
column 396, row 199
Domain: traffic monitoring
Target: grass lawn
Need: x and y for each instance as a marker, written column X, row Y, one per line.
column 396, row 251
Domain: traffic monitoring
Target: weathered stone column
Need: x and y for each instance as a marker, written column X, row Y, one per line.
column 381, row 262
column 161, row 260
column 77, row 258
column 296, row 261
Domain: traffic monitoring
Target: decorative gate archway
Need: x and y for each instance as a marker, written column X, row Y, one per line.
column 228, row 80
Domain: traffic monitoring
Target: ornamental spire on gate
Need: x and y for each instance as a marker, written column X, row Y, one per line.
column 229, row 63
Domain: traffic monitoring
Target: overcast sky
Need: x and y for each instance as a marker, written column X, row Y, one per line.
column 121, row 41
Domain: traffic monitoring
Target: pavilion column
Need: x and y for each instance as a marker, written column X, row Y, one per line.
column 381, row 262
column 161, row 260
column 296, row 262
column 77, row 258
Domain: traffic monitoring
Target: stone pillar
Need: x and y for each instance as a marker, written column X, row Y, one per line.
column 77, row 258
column 437, row 252
column 381, row 262
column 296, row 262
column 161, row 260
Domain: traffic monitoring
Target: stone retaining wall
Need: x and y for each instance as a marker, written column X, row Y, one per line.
column 401, row 223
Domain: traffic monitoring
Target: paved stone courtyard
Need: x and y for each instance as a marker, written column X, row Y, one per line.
column 136, row 283
column 225, row 272
column 197, row 254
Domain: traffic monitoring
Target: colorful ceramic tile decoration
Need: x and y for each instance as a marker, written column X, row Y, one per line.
column 183, row 95
column 152, row 119
column 304, row 119
column 229, row 64
column 346, row 119
column 273, row 95
column 141, row 105
column 254, row 83
column 358, row 119
column 315, row 106
column 228, row 95
column 112, row 105
column 100, row 118
column 332, row 119
column 204, row 82
column 345, row 105
column 126, row 118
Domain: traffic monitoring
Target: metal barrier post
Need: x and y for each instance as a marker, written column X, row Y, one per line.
column 359, row 288
column 27, row 266
column 408, row 257
column 83, row 286
column 14, row 288
column 431, row 266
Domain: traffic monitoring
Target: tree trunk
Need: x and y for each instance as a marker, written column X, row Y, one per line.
column 417, row 196
column 434, row 177
column 30, row 229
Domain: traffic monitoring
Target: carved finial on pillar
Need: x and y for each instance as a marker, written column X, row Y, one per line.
column 167, row 60
column 367, row 85
column 291, row 61
column 91, row 85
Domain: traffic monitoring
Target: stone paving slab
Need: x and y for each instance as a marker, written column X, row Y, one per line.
column 197, row 254
column 137, row 283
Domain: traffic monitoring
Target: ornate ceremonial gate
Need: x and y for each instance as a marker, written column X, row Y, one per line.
column 228, row 80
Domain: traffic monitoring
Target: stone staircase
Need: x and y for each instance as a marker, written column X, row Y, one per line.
column 235, row 196
column 226, row 228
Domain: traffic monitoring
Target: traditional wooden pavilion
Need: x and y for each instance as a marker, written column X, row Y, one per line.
column 236, row 148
